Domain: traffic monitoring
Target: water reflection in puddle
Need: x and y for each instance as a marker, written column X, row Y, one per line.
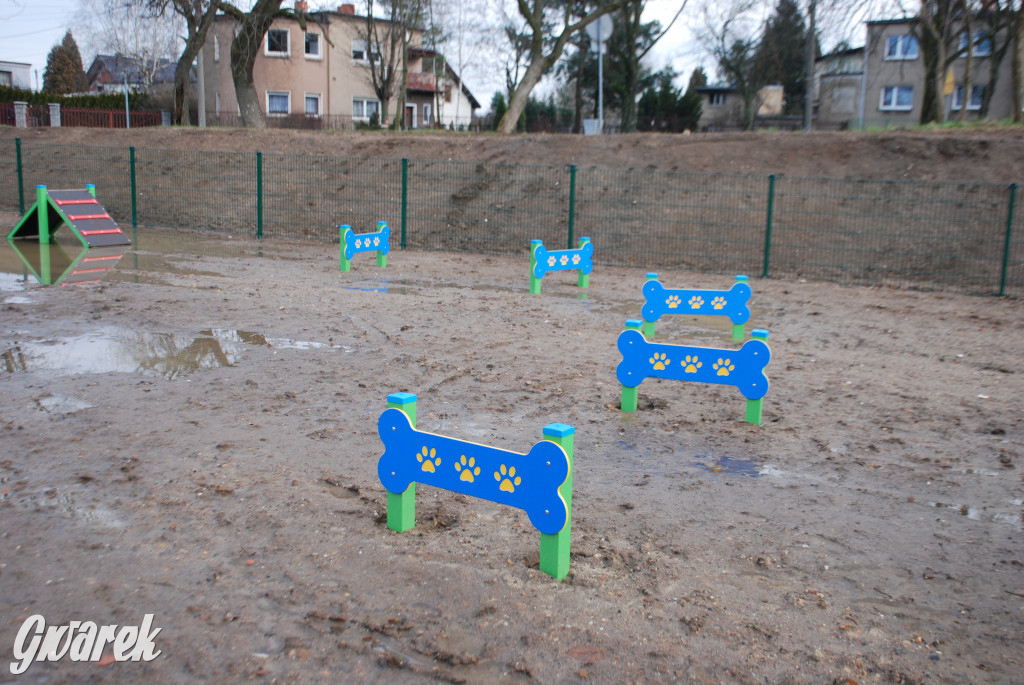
column 114, row 350
column 1014, row 520
column 731, row 466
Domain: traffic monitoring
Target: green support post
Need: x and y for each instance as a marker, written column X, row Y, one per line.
column 405, row 196
column 629, row 395
column 42, row 215
column 754, row 407
column 382, row 259
column 738, row 329
column 1009, row 236
column 534, row 281
column 135, row 204
column 572, row 204
column 554, row 549
column 259, row 196
column 343, row 263
column 768, row 225
column 649, row 325
column 584, row 279
column 402, row 508
column 21, row 177
column 45, row 277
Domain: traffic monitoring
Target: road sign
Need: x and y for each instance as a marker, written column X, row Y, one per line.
column 599, row 31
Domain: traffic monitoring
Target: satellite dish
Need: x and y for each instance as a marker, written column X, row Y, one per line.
column 600, row 31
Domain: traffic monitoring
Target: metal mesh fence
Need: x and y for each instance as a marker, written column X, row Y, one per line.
column 967, row 237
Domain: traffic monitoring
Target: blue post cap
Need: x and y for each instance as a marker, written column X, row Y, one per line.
column 90, row 185
column 536, row 242
column 634, row 323
column 759, row 333
column 558, row 430
column 346, row 226
column 651, row 274
column 741, row 277
column 584, row 238
column 401, row 398
column 40, row 186
column 381, row 224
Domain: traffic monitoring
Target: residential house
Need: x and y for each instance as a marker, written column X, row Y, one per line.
column 322, row 72
column 16, row 75
column 836, row 90
column 115, row 73
column 442, row 98
column 722, row 107
column 894, row 76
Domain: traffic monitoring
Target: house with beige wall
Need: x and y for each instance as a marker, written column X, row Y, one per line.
column 321, row 72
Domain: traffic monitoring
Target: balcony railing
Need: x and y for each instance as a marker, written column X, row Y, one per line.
column 421, row 82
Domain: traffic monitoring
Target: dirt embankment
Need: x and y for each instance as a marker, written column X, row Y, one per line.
column 989, row 156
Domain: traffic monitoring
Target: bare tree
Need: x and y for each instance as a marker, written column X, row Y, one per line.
column 731, row 35
column 387, row 44
column 198, row 16
column 463, row 35
column 545, row 47
column 143, row 34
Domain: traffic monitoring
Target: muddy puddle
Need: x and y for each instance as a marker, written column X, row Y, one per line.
column 120, row 350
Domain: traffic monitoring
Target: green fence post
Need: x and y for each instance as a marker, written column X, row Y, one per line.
column 402, row 508
column 554, row 549
column 135, row 206
column 259, row 196
column 572, row 203
column 649, row 325
column 768, row 225
column 1009, row 234
column 630, row 395
column 21, row 178
column 405, row 196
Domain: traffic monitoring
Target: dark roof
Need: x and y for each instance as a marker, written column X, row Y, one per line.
column 904, row 20
column 122, row 66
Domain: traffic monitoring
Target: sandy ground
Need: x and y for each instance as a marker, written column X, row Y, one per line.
column 195, row 437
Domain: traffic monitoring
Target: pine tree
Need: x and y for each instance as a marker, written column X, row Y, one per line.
column 64, row 72
column 780, row 55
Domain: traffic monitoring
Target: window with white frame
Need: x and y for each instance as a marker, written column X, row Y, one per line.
column 312, row 104
column 278, row 103
column 216, row 49
column 6, row 78
column 363, row 108
column 897, row 98
column 901, row 47
column 313, row 45
column 977, row 93
column 277, row 42
column 359, row 50
column 982, row 44
column 716, row 99
column 428, row 114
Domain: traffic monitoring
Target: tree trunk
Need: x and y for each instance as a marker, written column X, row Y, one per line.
column 244, row 49
column 517, row 103
column 1016, row 67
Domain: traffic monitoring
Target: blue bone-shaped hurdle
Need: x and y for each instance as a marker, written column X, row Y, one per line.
column 743, row 368
column 661, row 300
column 544, row 261
column 525, row 481
column 352, row 243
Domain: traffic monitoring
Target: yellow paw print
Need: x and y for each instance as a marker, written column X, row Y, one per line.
column 359, row 243
column 696, row 302
column 428, row 459
column 551, row 261
column 468, row 470
column 691, row 364
column 509, row 479
column 376, row 242
column 673, row 301
column 660, row 360
column 723, row 367
column 565, row 260
column 575, row 259
column 718, row 302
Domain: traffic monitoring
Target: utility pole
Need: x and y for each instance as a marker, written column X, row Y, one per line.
column 809, row 64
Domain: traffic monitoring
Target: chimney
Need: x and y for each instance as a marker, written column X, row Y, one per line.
column 347, row 8
column 301, row 6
